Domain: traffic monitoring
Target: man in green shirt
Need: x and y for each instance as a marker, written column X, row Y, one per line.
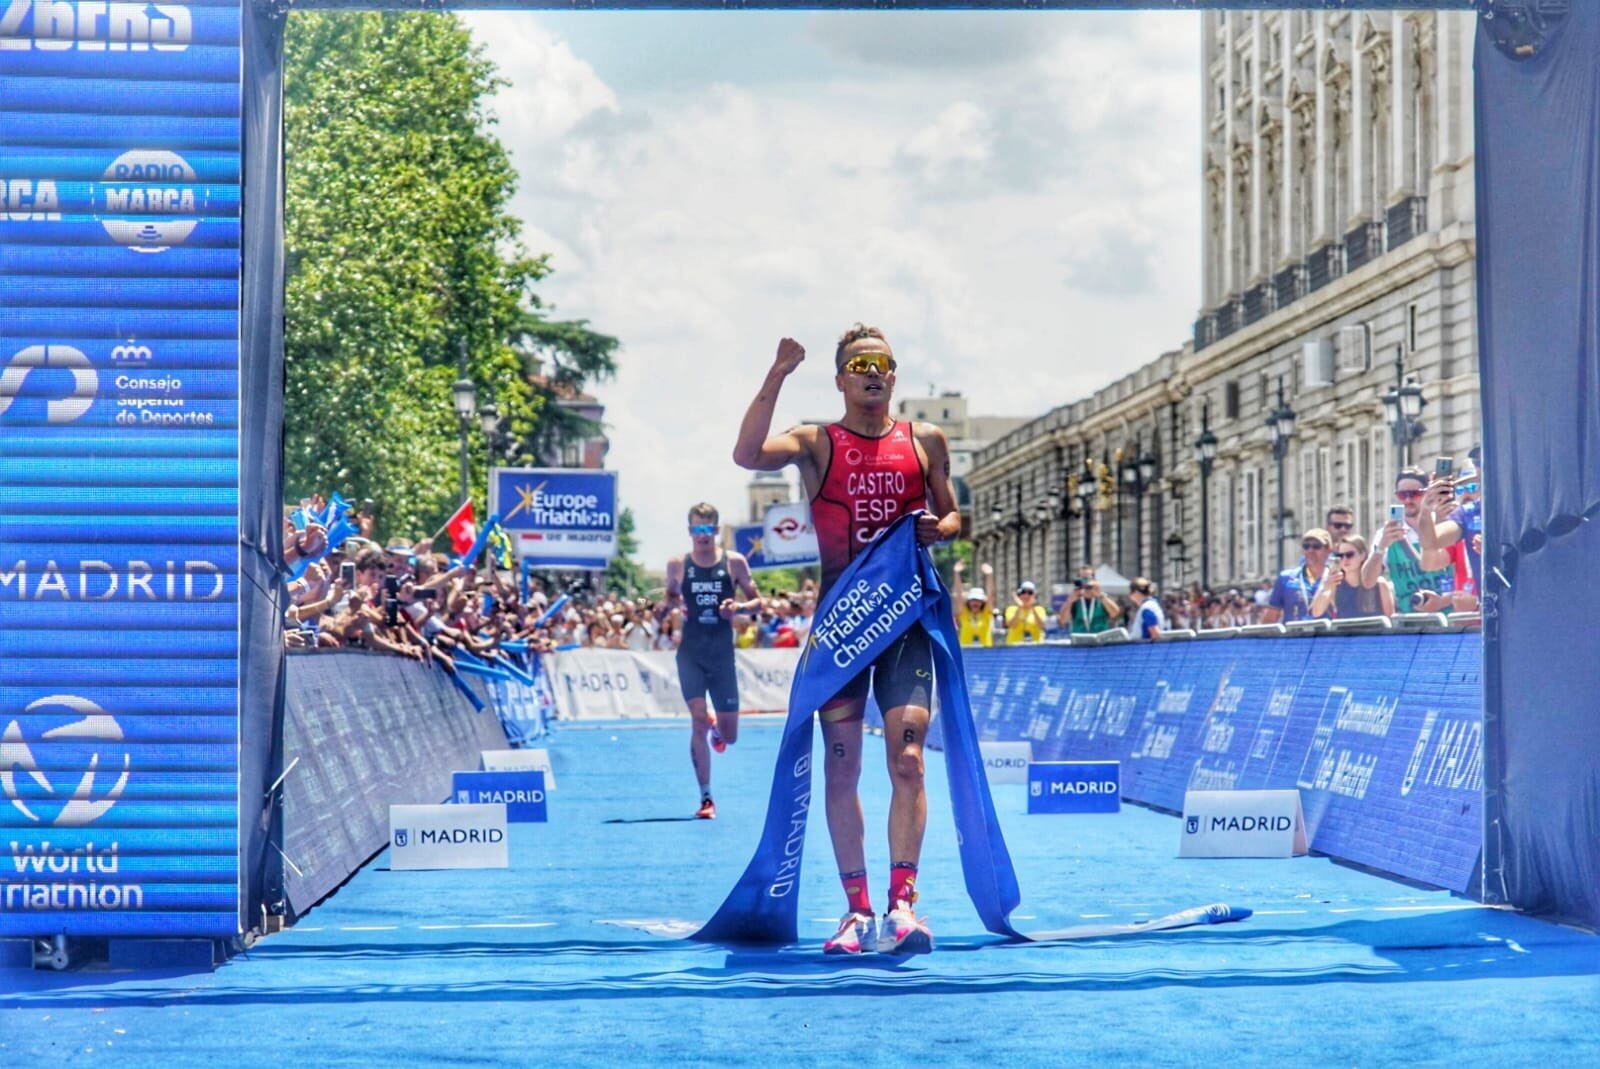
column 1397, row 548
column 1088, row 610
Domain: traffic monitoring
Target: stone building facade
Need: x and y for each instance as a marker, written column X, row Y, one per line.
column 1338, row 263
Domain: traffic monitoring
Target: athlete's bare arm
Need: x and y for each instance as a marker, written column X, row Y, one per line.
column 758, row 449
column 944, row 523
column 672, row 597
column 739, row 569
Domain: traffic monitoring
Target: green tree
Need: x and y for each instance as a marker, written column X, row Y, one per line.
column 561, row 358
column 400, row 251
column 945, row 556
column 625, row 574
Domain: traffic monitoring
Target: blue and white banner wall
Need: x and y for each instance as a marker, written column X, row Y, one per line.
column 120, row 545
column 365, row 731
column 1382, row 735
column 594, row 684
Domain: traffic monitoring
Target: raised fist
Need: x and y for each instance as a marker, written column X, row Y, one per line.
column 790, row 355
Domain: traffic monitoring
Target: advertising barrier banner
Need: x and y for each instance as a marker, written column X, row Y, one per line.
column 363, row 731
column 557, row 517
column 119, row 468
column 1381, row 735
column 611, row 684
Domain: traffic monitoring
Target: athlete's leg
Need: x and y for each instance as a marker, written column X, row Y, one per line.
column 904, row 730
column 699, row 750
column 902, row 683
column 723, row 682
column 841, row 776
column 692, row 684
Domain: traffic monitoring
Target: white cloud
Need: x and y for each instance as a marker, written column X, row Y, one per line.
column 1022, row 220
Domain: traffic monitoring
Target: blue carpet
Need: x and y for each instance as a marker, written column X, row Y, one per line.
column 530, row 966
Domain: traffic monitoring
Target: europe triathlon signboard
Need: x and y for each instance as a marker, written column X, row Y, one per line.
column 119, row 416
column 557, row 517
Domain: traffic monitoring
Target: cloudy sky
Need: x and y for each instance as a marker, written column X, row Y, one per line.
column 1012, row 197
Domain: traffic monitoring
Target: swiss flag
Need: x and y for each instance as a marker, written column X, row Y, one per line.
column 462, row 528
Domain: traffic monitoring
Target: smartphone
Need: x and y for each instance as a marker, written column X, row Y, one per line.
column 425, row 592
column 1397, row 512
column 347, row 573
column 1443, row 466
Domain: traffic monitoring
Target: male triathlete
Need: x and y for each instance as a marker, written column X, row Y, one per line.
column 703, row 581
column 861, row 474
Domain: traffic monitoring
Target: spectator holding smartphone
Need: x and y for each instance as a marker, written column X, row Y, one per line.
column 1397, row 547
column 1456, row 540
column 1341, row 596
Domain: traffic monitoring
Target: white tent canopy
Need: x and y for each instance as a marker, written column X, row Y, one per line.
column 1111, row 581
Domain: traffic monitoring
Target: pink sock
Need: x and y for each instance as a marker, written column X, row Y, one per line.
column 902, row 884
column 855, row 891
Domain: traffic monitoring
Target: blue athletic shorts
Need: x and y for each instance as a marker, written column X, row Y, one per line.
column 709, row 671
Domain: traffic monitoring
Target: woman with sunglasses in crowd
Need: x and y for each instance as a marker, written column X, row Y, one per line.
column 1341, row 596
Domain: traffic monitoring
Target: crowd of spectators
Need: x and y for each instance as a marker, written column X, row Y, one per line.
column 406, row 597
column 1425, row 558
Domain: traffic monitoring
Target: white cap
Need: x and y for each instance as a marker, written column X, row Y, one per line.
column 976, row 594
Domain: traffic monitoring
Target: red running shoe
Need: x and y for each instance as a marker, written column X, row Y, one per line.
column 707, row 810
column 717, row 742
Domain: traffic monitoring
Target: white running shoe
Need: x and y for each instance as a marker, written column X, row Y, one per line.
column 904, row 932
column 856, row 932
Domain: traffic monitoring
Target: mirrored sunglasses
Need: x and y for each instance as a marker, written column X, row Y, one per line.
column 862, row 363
column 701, row 529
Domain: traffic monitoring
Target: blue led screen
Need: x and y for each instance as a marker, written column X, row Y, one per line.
column 119, row 469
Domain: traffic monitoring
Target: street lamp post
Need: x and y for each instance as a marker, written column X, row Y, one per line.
column 497, row 437
column 1176, row 555
column 1205, row 452
column 466, row 398
column 1402, row 407
column 1015, row 524
column 1057, row 506
column 1137, row 474
column 1088, row 487
column 1280, row 422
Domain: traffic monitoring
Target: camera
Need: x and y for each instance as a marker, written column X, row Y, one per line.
column 1078, row 582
